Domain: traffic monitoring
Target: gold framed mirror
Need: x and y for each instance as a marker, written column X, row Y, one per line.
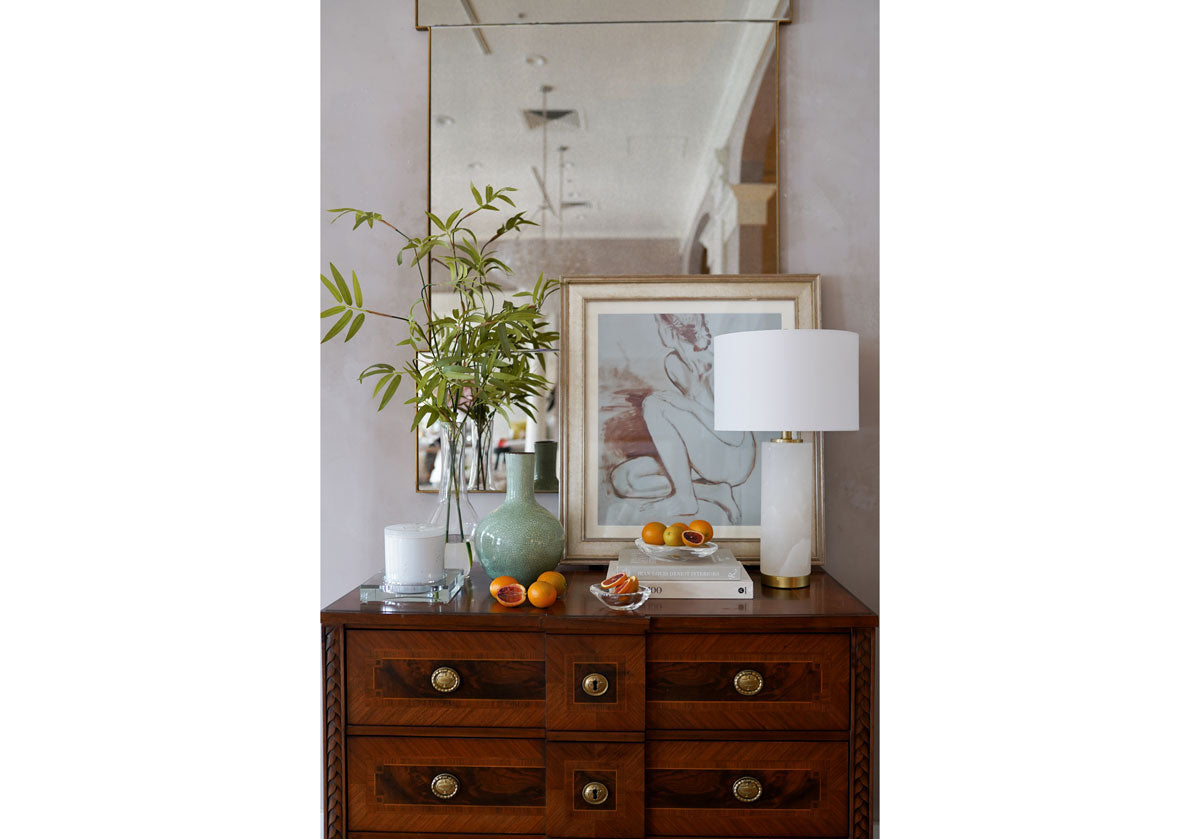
column 641, row 136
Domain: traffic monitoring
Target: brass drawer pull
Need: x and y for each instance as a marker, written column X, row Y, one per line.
column 445, row 786
column 445, row 680
column 747, row 789
column 748, row 682
column 594, row 684
column 595, row 793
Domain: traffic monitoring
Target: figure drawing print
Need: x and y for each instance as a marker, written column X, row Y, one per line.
column 660, row 457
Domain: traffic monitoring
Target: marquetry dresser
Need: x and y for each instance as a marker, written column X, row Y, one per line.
column 714, row 718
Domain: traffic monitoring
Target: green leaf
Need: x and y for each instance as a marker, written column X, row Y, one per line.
column 337, row 327
column 341, row 283
column 387, row 394
column 357, row 289
column 379, row 385
column 506, row 198
column 337, row 295
column 333, row 311
column 452, row 217
column 436, row 221
column 475, row 192
column 354, row 327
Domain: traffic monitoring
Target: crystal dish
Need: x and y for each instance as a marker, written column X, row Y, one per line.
column 679, row 554
column 621, row 602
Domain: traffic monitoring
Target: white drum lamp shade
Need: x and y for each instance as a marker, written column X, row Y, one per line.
column 786, row 380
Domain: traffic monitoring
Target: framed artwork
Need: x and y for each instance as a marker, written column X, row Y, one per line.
column 636, row 432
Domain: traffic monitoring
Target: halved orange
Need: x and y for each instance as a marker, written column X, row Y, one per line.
column 613, row 581
column 629, row 586
column 701, row 526
column 693, row 538
column 501, row 582
column 511, row 595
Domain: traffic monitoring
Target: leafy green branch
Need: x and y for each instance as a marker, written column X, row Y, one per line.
column 487, row 355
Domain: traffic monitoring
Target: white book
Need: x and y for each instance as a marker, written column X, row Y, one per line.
column 718, row 577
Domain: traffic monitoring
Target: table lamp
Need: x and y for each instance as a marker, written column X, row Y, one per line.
column 802, row 380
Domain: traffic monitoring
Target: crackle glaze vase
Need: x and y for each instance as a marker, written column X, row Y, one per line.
column 520, row 538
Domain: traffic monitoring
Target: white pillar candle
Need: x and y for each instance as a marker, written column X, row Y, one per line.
column 787, row 509
column 413, row 554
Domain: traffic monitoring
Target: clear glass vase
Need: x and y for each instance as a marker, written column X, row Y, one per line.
column 455, row 514
column 479, row 475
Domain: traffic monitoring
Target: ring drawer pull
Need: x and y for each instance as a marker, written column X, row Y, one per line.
column 445, row 786
column 594, row 684
column 747, row 789
column 748, row 682
column 595, row 793
column 445, row 680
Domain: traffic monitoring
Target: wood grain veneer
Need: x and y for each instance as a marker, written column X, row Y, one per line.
column 503, row 678
column 502, row 785
column 806, row 681
column 690, row 788
column 668, row 740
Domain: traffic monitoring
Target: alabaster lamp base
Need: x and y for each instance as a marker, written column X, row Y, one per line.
column 785, row 557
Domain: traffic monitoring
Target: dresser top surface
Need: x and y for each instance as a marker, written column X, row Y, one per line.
column 824, row 605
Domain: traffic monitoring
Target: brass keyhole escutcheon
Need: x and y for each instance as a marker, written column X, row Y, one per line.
column 747, row 789
column 594, row 684
column 748, row 682
column 445, row 680
column 444, row 785
column 595, row 793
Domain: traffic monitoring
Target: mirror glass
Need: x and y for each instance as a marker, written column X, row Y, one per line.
column 525, row 12
column 638, row 148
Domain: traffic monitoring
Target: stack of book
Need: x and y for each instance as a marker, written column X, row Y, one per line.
column 719, row 576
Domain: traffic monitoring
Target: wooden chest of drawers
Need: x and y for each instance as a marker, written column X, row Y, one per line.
column 685, row 718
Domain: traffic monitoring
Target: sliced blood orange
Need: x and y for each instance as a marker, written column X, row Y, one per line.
column 501, row 582
column 629, row 586
column 693, row 538
column 613, row 581
column 511, row 595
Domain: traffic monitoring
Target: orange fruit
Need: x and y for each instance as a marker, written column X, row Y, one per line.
column 630, row 586
column 613, row 581
column 652, row 534
column 501, row 582
column 542, row 594
column 693, row 538
column 679, row 524
column 673, row 535
column 701, row 526
column 555, row 579
column 511, row 595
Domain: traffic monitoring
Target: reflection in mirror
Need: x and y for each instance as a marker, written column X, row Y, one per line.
column 645, row 148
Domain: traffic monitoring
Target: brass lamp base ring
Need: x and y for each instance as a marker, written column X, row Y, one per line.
column 772, row 581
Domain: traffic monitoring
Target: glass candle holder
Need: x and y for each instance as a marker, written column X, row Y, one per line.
column 413, row 554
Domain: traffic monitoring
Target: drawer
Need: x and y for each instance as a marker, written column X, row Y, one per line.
column 787, row 682
column 595, row 682
column 493, row 786
column 786, row 788
column 494, row 679
column 595, row 789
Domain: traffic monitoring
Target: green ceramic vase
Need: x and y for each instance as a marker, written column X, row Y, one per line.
column 520, row 538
